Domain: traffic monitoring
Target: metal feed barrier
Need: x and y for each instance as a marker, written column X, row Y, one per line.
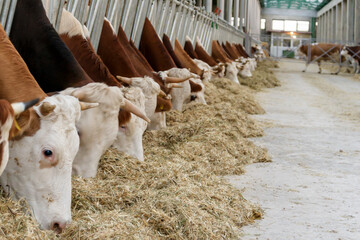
column 7, row 10
column 176, row 18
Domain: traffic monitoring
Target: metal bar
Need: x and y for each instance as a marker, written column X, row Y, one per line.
column 137, row 19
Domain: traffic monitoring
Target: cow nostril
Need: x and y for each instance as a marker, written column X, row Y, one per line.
column 58, row 227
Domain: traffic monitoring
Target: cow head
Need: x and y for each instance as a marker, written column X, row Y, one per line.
column 345, row 53
column 150, row 89
column 179, row 95
column 244, row 69
column 40, row 161
column 129, row 136
column 231, row 72
column 97, row 127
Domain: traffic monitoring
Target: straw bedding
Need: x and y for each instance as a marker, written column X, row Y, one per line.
column 178, row 192
column 263, row 77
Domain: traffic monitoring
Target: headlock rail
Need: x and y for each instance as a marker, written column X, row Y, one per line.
column 176, row 18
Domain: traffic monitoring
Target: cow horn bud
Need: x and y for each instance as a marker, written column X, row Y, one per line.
column 173, row 85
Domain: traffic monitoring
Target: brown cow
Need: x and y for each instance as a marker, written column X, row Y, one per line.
column 218, row 54
column 43, row 145
column 319, row 52
column 169, row 48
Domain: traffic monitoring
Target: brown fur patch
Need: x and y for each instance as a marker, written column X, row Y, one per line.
column 124, row 117
column 185, row 59
column 188, row 47
column 163, row 105
column 29, row 123
column 154, row 50
column 167, row 44
column 218, row 53
column 204, row 56
column 5, row 111
column 195, row 87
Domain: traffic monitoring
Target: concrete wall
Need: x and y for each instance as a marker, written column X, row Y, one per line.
column 339, row 22
column 285, row 14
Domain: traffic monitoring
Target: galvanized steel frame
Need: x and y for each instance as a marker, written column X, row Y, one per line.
column 7, row 11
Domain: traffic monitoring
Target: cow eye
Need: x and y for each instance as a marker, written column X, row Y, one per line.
column 47, row 153
column 123, row 126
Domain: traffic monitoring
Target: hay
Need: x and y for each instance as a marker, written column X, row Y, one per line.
column 263, row 76
column 176, row 193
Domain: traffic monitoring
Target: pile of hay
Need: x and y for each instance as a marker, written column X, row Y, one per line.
column 176, row 193
column 263, row 77
column 334, row 68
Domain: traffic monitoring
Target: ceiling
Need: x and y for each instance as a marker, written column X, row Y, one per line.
column 294, row 4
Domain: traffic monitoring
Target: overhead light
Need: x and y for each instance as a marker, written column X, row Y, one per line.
column 291, row 33
column 294, row 36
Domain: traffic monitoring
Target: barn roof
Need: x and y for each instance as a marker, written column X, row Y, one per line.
column 294, row 4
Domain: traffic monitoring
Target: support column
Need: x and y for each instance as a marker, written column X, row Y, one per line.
column 338, row 22
column 344, row 21
column 350, row 21
column 334, row 36
column 228, row 14
column 357, row 22
column 319, row 29
column 208, row 5
column 236, row 13
column 221, row 5
column 242, row 6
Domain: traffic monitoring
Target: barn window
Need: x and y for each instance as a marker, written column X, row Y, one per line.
column 263, row 22
column 278, row 25
column 303, row 26
column 290, row 25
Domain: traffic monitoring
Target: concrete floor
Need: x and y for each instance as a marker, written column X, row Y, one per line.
column 311, row 190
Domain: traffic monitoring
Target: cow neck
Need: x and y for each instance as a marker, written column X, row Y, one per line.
column 204, row 56
column 16, row 82
column 242, row 50
column 186, row 59
column 140, row 67
column 154, row 50
column 188, row 47
column 48, row 58
column 217, row 54
column 18, row 85
column 167, row 44
column 143, row 59
column 114, row 55
column 85, row 54
column 224, row 50
column 230, row 51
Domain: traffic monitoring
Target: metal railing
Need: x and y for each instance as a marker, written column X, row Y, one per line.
column 176, row 18
column 7, row 11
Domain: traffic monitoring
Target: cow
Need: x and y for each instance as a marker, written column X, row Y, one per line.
column 351, row 53
column 77, row 39
column 43, row 145
column 186, row 60
column 8, row 123
column 319, row 52
column 56, row 70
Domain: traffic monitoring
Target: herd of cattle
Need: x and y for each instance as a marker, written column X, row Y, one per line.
column 50, row 77
column 318, row 52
